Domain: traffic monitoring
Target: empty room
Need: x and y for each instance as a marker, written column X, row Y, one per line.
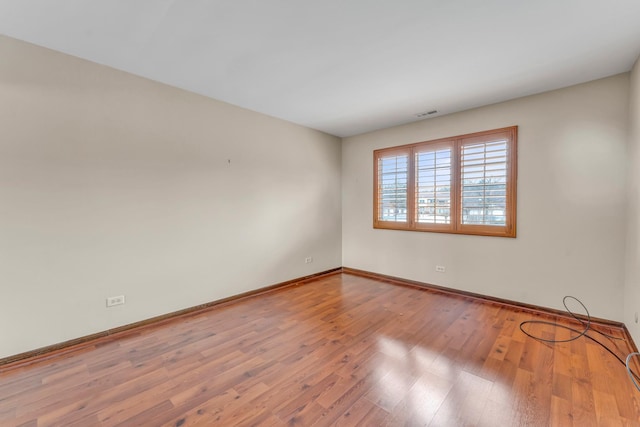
column 355, row 213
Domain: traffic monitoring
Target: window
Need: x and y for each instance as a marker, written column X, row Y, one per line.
column 464, row 184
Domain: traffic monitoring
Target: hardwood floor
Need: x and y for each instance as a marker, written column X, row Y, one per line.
column 342, row 350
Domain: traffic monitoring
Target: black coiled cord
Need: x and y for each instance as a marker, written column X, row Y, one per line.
column 635, row 379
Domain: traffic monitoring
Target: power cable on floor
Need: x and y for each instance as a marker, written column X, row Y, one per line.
column 635, row 379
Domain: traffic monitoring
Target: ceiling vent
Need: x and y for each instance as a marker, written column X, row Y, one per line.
column 426, row 113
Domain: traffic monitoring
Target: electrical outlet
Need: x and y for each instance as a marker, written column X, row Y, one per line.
column 440, row 268
column 119, row 300
column 308, row 260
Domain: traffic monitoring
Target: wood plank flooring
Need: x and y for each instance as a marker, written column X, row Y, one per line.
column 342, row 350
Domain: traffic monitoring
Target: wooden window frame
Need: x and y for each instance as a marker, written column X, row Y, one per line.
column 455, row 226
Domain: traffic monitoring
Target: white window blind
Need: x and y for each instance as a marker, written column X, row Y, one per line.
column 392, row 190
column 484, row 183
column 433, row 186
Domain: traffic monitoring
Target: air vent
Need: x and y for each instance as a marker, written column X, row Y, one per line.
column 426, row 113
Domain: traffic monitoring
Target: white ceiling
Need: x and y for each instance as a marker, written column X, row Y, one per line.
column 343, row 66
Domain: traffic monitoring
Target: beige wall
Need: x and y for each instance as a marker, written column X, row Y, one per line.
column 112, row 184
column 632, row 282
column 571, row 203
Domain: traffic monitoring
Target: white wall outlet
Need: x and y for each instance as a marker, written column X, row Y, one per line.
column 308, row 260
column 440, row 268
column 119, row 300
